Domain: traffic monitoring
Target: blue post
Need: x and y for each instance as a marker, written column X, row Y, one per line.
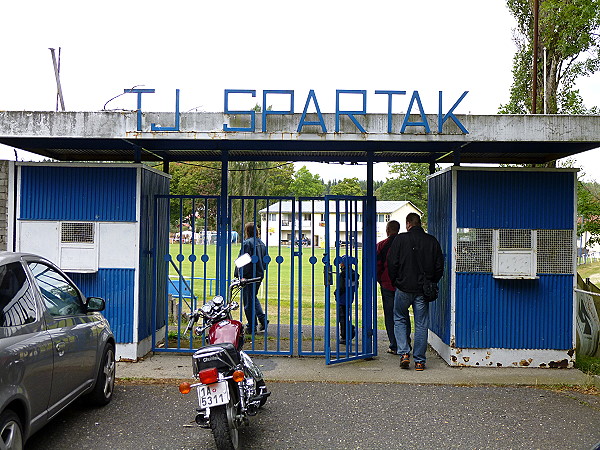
column 369, row 258
column 222, row 228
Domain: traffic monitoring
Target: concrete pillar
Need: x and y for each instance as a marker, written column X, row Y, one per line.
column 4, row 176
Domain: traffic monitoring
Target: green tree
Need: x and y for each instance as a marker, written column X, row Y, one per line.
column 279, row 180
column 306, row 184
column 198, row 178
column 348, row 186
column 568, row 29
column 588, row 205
column 376, row 185
column 195, row 178
column 588, row 209
column 410, row 184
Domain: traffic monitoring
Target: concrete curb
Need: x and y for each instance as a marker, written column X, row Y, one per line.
column 382, row 369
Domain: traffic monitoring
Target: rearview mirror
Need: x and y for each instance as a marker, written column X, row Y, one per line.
column 243, row 260
column 95, row 304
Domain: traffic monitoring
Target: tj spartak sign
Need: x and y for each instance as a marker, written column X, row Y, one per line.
column 414, row 103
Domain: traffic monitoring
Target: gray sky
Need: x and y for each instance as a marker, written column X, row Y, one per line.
column 205, row 47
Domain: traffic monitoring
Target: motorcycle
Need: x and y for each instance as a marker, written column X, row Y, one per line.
column 230, row 386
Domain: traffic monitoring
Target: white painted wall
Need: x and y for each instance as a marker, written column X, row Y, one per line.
column 116, row 247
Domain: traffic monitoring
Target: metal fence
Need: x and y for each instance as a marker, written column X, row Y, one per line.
column 303, row 254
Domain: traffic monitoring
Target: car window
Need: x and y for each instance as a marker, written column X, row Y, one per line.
column 17, row 303
column 60, row 297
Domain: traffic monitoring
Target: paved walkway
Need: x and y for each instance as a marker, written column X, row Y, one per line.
column 382, row 369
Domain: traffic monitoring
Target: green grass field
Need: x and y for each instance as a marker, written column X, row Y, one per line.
column 277, row 290
column 590, row 270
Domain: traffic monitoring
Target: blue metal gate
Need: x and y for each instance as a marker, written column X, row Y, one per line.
column 311, row 276
column 198, row 265
column 190, row 263
column 301, row 236
column 351, row 318
column 276, row 292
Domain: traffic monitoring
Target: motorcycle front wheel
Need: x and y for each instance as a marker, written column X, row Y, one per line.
column 224, row 427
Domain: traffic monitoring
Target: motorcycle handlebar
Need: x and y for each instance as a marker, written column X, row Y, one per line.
column 250, row 280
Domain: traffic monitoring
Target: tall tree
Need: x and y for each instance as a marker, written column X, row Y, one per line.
column 588, row 205
column 279, row 180
column 568, row 30
column 410, row 183
column 376, row 185
column 306, row 184
column 348, row 186
column 588, row 209
column 198, row 178
column 256, row 178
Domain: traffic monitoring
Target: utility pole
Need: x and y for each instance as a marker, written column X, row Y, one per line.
column 535, row 56
column 56, row 65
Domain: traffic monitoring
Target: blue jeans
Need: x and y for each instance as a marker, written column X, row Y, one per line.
column 252, row 308
column 402, row 301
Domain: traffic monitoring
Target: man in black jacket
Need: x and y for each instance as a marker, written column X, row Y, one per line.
column 413, row 256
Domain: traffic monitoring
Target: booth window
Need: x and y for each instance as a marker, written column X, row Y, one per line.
column 77, row 232
column 79, row 247
column 474, row 250
column 515, row 254
column 555, row 252
column 511, row 253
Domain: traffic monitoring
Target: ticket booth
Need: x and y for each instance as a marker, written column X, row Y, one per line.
column 508, row 236
column 96, row 222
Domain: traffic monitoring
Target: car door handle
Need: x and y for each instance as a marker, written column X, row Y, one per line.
column 60, row 348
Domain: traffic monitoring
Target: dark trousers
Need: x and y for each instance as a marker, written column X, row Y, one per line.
column 387, row 298
column 252, row 308
column 345, row 316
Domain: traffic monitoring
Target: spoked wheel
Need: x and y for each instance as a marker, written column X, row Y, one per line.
column 224, row 427
column 11, row 433
column 105, row 380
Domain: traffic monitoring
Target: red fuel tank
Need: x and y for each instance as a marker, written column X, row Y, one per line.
column 227, row 331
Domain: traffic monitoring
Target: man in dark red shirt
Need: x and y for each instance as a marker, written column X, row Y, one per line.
column 388, row 290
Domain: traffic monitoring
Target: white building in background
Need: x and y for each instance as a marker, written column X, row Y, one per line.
column 278, row 221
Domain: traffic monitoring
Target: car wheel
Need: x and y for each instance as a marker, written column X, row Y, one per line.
column 105, row 381
column 11, row 431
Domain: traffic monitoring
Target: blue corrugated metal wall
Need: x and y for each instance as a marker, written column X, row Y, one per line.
column 116, row 287
column 515, row 200
column 514, row 314
column 78, row 193
column 439, row 224
column 152, row 184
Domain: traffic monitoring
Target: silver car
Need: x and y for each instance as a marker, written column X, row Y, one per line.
column 55, row 346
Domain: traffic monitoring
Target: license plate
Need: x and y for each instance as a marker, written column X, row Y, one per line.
column 210, row 395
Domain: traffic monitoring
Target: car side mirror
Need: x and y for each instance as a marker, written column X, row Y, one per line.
column 95, row 304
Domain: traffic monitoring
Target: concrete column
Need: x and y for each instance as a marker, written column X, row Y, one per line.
column 4, row 176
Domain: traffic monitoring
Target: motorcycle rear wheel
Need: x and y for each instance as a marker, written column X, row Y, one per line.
column 223, row 426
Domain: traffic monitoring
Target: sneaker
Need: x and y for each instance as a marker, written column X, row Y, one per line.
column 263, row 326
column 420, row 366
column 404, row 361
column 392, row 351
